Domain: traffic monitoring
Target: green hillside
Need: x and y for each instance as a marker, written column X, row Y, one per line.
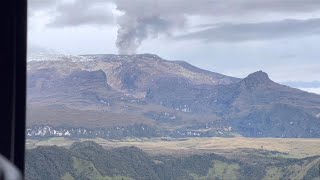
column 88, row 160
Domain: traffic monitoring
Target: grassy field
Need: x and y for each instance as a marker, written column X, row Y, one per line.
column 291, row 147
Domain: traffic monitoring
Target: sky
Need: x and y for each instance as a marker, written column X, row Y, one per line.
column 232, row 37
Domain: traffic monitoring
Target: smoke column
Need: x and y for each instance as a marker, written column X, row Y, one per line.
column 139, row 23
column 142, row 19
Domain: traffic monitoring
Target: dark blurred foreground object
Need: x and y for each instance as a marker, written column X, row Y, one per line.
column 13, row 18
column 8, row 171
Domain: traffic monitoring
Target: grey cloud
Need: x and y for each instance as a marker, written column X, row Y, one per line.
column 256, row 31
column 144, row 19
column 47, row 6
column 136, row 24
column 35, row 5
column 280, row 6
column 84, row 12
column 211, row 7
column 214, row 7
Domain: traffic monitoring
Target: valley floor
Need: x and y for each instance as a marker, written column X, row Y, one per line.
column 288, row 147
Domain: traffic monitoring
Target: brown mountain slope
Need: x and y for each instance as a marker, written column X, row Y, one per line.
column 173, row 97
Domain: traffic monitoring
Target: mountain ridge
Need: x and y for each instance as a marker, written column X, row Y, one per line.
column 173, row 97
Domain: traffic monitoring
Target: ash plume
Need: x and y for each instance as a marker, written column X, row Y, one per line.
column 143, row 19
column 135, row 26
